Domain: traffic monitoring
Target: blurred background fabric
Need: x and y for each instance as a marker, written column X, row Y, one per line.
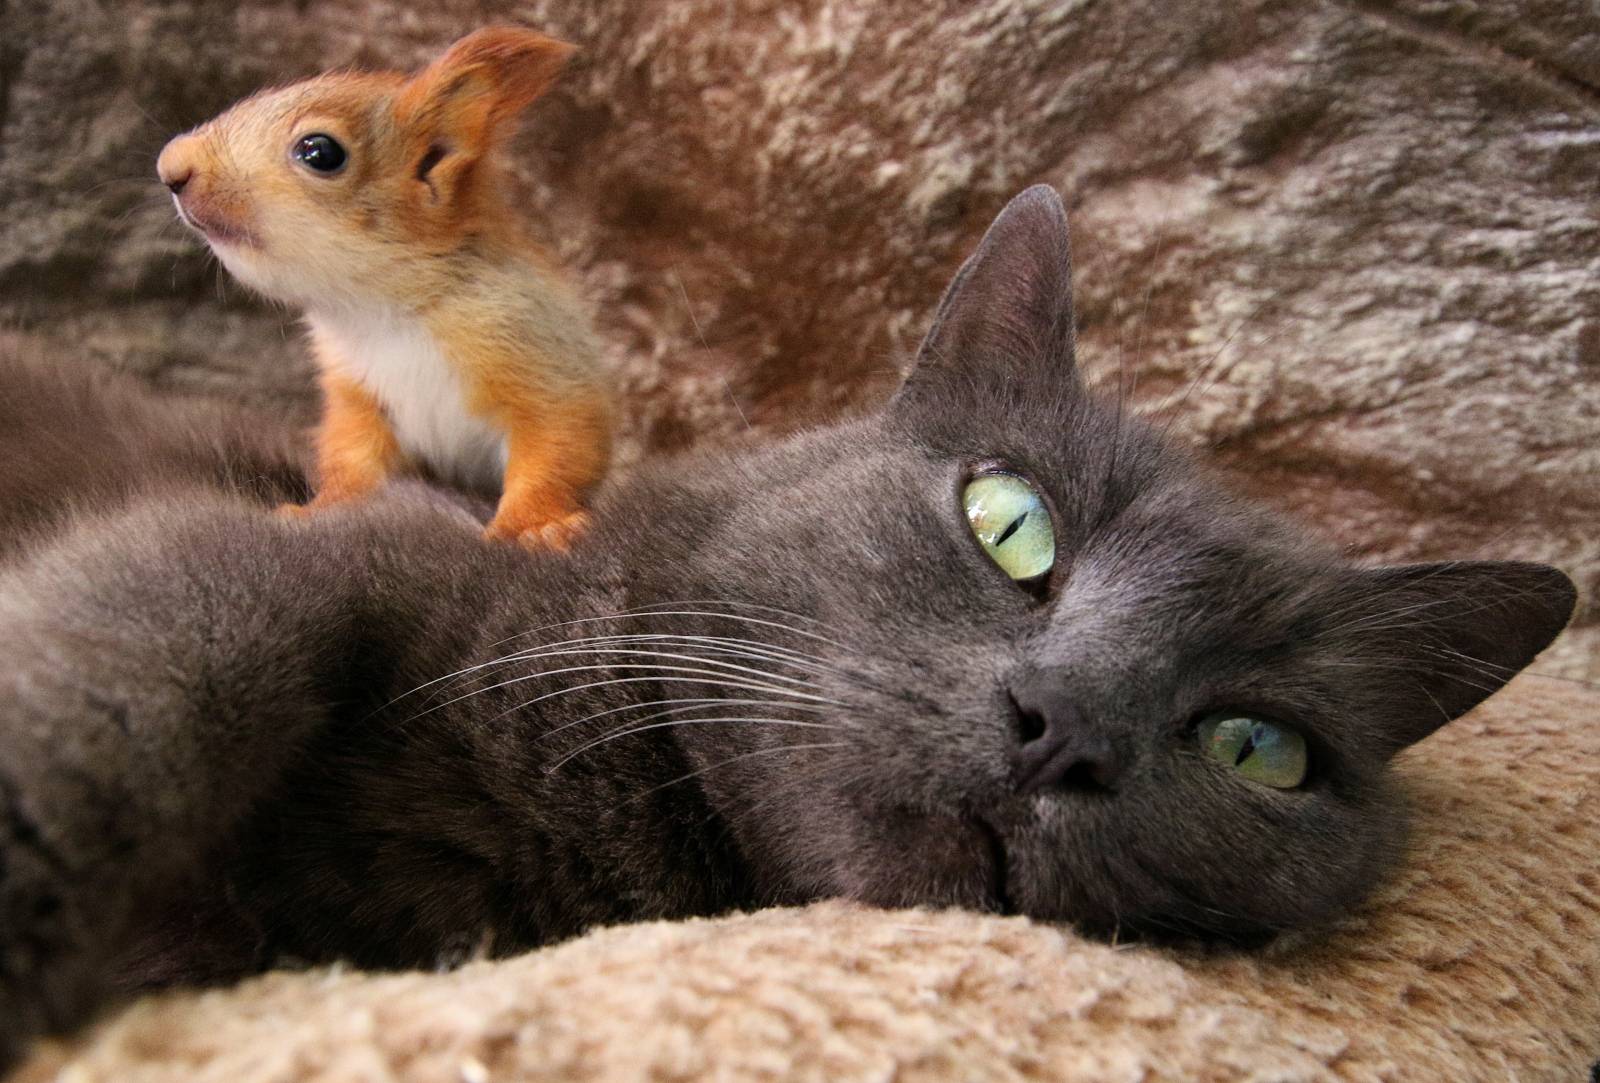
column 1350, row 247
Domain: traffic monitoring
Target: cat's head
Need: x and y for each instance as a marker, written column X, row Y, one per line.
column 1019, row 654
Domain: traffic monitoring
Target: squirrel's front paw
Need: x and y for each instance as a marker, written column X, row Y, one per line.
column 558, row 533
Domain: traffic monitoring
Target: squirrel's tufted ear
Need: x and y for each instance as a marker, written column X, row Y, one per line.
column 463, row 103
column 1007, row 316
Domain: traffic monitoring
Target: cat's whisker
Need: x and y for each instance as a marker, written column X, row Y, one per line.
column 1487, row 668
column 552, row 648
column 1176, row 923
column 634, row 650
column 652, row 610
column 1205, row 374
column 723, row 667
column 1496, row 675
column 721, row 644
column 656, row 679
column 1367, row 618
column 1128, row 388
column 684, row 703
column 647, row 608
column 756, row 621
column 658, row 609
column 659, row 673
column 760, row 621
column 729, row 762
column 1399, row 664
column 679, row 703
column 690, row 704
column 595, row 645
column 590, row 685
column 1144, row 308
column 1116, row 318
column 750, row 803
column 631, row 731
column 746, row 650
column 1562, row 677
column 1392, row 621
column 786, row 655
column 648, row 611
column 789, row 787
column 735, row 603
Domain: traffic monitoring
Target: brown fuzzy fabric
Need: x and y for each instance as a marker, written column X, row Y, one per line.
column 1480, row 961
column 1371, row 223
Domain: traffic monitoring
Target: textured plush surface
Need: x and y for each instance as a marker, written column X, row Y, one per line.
column 1372, row 223
column 1376, row 217
column 1481, row 961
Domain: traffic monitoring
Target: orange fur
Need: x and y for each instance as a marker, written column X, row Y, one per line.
column 558, row 439
column 422, row 289
column 356, row 450
column 556, row 455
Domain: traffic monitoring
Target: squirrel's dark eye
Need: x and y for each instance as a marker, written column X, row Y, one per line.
column 319, row 153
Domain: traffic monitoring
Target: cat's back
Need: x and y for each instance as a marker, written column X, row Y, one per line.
column 75, row 442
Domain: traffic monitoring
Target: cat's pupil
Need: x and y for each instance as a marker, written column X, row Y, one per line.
column 1010, row 529
column 1000, row 509
column 1248, row 747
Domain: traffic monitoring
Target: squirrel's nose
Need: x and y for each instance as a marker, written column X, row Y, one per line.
column 175, row 167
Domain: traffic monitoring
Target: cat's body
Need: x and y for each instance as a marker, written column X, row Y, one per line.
column 788, row 673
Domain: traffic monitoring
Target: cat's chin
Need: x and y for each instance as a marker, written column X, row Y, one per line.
column 931, row 859
column 1000, row 866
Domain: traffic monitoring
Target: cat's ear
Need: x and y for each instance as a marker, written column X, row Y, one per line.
column 1007, row 315
column 1442, row 638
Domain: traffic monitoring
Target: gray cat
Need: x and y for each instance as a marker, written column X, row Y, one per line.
column 996, row 647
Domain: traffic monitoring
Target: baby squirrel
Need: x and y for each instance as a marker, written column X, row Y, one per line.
column 446, row 340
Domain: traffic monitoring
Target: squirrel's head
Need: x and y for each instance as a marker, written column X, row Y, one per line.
column 348, row 186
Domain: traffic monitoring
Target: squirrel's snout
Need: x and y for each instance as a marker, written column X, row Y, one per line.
column 222, row 217
column 176, row 166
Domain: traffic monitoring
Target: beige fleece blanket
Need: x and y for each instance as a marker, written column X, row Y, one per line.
column 1479, row 961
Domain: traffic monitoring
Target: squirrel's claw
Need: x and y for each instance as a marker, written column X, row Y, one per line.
column 293, row 513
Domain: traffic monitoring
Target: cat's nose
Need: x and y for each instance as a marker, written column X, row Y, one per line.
column 1057, row 748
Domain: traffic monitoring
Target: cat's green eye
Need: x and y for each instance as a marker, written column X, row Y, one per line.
column 1012, row 523
column 1261, row 751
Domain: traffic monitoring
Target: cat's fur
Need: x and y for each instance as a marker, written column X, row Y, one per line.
column 227, row 740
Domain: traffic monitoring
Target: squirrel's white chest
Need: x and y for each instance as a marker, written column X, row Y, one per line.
column 396, row 359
